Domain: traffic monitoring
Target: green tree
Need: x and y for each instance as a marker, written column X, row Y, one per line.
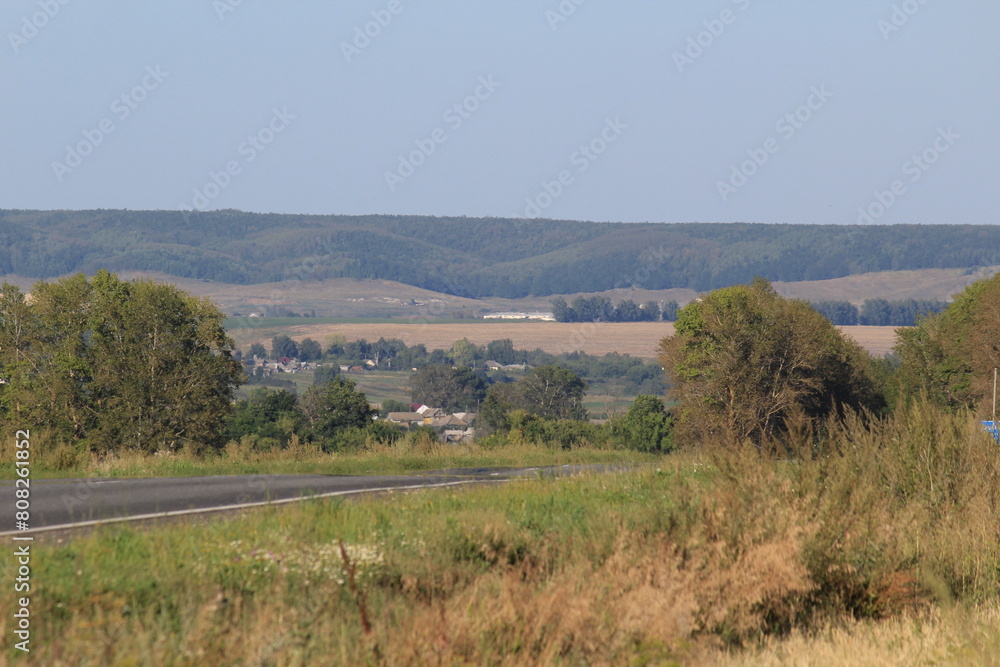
column 554, row 393
column 646, row 426
column 257, row 351
column 310, row 350
column 464, row 353
column 561, row 311
column 549, row 392
column 441, row 386
column 268, row 413
column 501, row 351
column 107, row 364
column 334, row 406
column 627, row 311
column 325, row 373
column 743, row 361
column 951, row 355
column 651, row 311
column 283, row 346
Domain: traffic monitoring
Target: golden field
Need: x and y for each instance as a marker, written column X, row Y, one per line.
column 638, row 339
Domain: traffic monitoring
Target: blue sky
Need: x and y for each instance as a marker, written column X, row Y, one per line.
column 769, row 111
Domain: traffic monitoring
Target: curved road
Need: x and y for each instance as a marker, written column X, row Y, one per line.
column 59, row 504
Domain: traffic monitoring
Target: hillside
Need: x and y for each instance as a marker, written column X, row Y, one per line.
column 474, row 257
column 350, row 298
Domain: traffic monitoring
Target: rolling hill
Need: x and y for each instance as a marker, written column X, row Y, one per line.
column 474, row 257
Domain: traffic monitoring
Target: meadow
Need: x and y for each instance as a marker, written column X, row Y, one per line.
column 876, row 544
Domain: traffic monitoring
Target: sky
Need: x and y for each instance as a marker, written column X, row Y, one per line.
column 770, row 111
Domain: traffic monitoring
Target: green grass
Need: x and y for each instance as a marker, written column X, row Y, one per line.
column 378, row 386
column 274, row 580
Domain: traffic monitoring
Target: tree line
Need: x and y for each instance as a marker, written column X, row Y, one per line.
column 600, row 309
column 879, row 312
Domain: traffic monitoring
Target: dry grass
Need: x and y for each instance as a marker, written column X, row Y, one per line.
column 925, row 284
column 953, row 636
column 875, row 340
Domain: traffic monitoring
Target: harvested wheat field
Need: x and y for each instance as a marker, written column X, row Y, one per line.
column 638, row 339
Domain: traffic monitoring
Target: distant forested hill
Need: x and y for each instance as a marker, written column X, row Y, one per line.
column 473, row 256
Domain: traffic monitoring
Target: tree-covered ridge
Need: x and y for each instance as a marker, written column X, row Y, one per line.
column 474, row 257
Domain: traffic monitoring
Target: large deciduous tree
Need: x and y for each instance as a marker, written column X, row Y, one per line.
column 952, row 355
column 107, row 364
column 441, row 386
column 548, row 391
column 334, row 406
column 744, row 360
column 283, row 346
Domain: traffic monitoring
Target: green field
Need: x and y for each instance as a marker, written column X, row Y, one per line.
column 377, row 385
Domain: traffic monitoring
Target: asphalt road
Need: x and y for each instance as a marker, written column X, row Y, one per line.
column 58, row 504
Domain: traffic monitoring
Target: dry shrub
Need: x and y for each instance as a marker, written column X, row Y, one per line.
column 658, row 590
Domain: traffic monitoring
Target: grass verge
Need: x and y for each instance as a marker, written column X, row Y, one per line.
column 405, row 455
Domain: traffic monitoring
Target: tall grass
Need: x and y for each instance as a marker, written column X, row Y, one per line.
column 729, row 556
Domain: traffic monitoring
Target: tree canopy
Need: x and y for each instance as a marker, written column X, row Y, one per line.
column 952, row 355
column 549, row 392
column 334, row 406
column 107, row 364
column 744, row 360
column 448, row 388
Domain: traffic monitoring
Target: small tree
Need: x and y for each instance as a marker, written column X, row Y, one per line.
column 269, row 413
column 501, row 351
column 310, row 350
column 325, row 374
column 646, row 426
column 335, row 406
column 283, row 346
column 257, row 351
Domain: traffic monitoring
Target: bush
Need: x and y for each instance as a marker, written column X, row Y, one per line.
column 645, row 427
